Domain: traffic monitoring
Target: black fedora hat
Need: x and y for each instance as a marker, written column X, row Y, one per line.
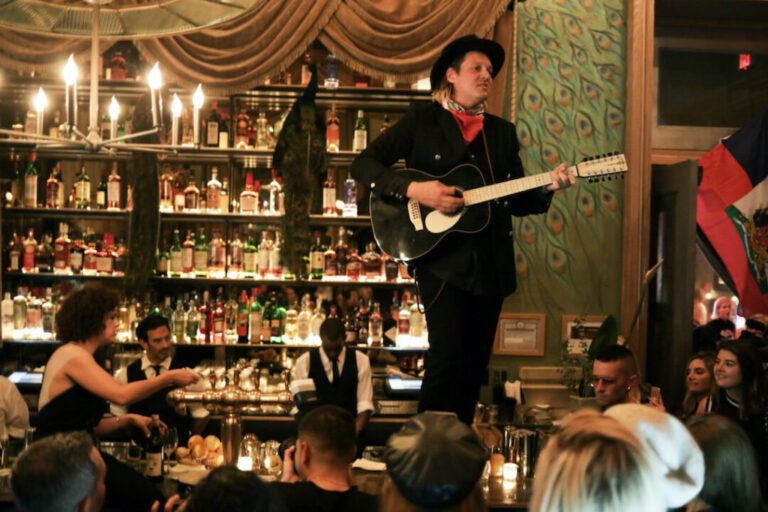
column 461, row 46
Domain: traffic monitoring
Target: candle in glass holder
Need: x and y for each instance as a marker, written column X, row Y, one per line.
column 197, row 102
column 114, row 113
column 176, row 109
column 245, row 463
column 509, row 471
column 155, row 80
column 40, row 102
column 70, row 93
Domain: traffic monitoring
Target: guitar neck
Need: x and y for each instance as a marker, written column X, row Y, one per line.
column 508, row 188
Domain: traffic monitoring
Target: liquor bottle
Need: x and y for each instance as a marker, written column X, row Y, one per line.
column 121, row 258
column 341, row 254
column 331, row 71
column 203, row 199
column 218, row 321
column 318, row 317
column 265, row 248
column 385, row 124
column 192, row 322
column 19, row 313
column 204, row 321
column 217, row 255
column 191, row 198
column 166, row 189
column 248, row 198
column 242, row 318
column 266, row 320
column 275, row 194
column 154, row 452
column 225, row 196
column 113, row 189
column 224, row 133
column 61, row 250
column 235, row 268
column 254, row 318
column 48, row 312
column 316, row 258
column 30, row 249
column 304, row 320
column 329, row 262
column 375, row 324
column 201, row 256
column 371, row 262
column 101, row 191
column 213, row 194
column 277, row 322
column 17, row 183
column 360, row 138
column 390, row 268
column 274, row 257
column 350, row 197
column 262, row 132
column 350, row 328
column 129, row 197
column 417, row 321
column 179, row 323
column 82, row 189
column 15, row 250
column 291, row 322
column 7, row 316
column 188, row 255
column 30, row 183
column 167, row 311
column 404, row 319
column 179, row 185
column 362, row 321
column 34, row 317
column 162, row 264
column 329, row 194
column 333, row 131
column 90, row 262
column 77, row 255
column 175, row 255
column 54, row 188
column 242, row 127
column 250, row 258
column 44, row 256
column 306, row 74
column 212, row 127
column 354, row 266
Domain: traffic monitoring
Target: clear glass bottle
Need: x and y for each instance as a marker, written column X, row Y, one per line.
column 360, row 138
column 350, row 197
column 30, row 182
column 265, row 248
column 113, row 189
column 217, row 256
column 304, row 320
column 375, row 324
column 176, row 263
column 213, row 194
column 275, row 195
column 179, row 323
column 54, row 188
column 275, row 268
column 262, row 132
column 192, row 198
column 404, row 319
column 166, row 189
column 235, row 268
column 61, row 250
column 333, row 131
column 372, row 262
column 82, row 189
column 249, row 200
column 188, row 255
column 291, row 323
column 331, row 71
column 201, row 256
column 417, row 321
column 19, row 314
column 30, row 251
column 318, row 317
column 7, row 316
column 329, row 194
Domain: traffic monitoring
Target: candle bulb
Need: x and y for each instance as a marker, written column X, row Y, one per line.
column 175, row 114
column 197, row 102
column 155, row 80
column 40, row 102
column 70, row 93
column 114, row 113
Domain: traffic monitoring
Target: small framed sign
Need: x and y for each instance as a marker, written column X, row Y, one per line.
column 579, row 331
column 520, row 334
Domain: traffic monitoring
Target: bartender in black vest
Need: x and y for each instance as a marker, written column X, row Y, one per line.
column 154, row 335
column 342, row 375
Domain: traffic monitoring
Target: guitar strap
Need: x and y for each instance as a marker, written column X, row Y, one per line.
column 488, row 156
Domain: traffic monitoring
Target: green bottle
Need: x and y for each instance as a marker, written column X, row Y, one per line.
column 30, row 183
column 161, row 267
column 254, row 318
column 250, row 258
column 101, row 191
column 82, row 189
column 175, row 256
column 201, row 256
column 278, row 321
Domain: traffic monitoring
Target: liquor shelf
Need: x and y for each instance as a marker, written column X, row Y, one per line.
column 50, row 276
column 53, row 213
column 284, row 282
column 315, row 220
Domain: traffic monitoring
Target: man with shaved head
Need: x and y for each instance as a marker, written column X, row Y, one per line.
column 614, row 375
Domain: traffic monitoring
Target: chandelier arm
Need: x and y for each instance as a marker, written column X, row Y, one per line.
column 130, row 136
column 31, row 137
column 149, row 148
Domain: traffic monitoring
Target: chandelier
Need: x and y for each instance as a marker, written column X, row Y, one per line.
column 127, row 18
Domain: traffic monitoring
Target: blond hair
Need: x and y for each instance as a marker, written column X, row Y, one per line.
column 594, row 464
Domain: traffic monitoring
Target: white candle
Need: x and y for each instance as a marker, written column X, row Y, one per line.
column 197, row 102
column 176, row 108
column 155, row 80
column 245, row 463
column 70, row 92
column 509, row 471
column 114, row 113
column 40, row 102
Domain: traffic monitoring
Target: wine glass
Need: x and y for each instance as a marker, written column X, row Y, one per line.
column 170, row 443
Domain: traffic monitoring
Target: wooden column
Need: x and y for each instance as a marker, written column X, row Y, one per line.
column 637, row 146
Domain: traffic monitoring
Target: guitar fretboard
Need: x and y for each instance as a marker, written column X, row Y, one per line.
column 508, row 188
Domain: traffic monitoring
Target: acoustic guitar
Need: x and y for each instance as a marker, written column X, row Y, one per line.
column 406, row 231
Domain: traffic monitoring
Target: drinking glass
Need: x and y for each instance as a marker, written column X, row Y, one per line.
column 170, row 443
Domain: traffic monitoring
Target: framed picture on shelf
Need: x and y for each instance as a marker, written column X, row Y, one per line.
column 520, row 334
column 579, row 331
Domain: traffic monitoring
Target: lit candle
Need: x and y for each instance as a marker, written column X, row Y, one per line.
column 175, row 114
column 114, row 113
column 245, row 463
column 509, row 471
column 155, row 80
column 197, row 102
column 40, row 102
column 70, row 93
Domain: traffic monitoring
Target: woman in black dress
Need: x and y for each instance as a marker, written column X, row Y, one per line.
column 76, row 389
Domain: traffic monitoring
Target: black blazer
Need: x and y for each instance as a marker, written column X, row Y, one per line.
column 430, row 140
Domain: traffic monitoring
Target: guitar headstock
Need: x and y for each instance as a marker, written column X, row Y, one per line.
column 602, row 167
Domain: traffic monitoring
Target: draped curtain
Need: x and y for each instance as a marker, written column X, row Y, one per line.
column 383, row 38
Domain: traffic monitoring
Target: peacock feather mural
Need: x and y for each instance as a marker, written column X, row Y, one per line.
column 570, row 105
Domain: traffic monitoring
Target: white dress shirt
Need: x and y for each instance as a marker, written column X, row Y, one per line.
column 149, row 371
column 364, row 387
column 14, row 413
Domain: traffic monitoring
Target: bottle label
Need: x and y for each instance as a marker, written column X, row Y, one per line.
column 154, row 468
column 248, row 203
column 403, row 325
column 113, row 194
column 76, row 261
column 162, row 266
column 178, row 202
column 223, row 140
column 83, row 191
column 242, row 324
column 332, row 136
column 212, row 200
column 187, row 259
column 274, row 259
column 101, row 198
column 316, row 260
column 360, row 141
column 104, row 264
column 60, row 253
column 176, row 261
column 329, row 200
column 212, row 138
column 29, row 257
column 201, row 260
column 254, row 326
column 190, row 200
column 264, row 260
column 250, row 262
column 14, row 261
column 52, row 195
column 30, row 191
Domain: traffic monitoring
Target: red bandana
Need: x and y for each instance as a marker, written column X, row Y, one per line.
column 470, row 124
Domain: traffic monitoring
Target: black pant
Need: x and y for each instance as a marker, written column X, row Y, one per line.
column 127, row 489
column 461, row 327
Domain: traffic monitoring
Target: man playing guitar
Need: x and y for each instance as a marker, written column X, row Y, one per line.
column 464, row 280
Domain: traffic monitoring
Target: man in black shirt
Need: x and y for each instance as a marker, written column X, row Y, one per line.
column 316, row 470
